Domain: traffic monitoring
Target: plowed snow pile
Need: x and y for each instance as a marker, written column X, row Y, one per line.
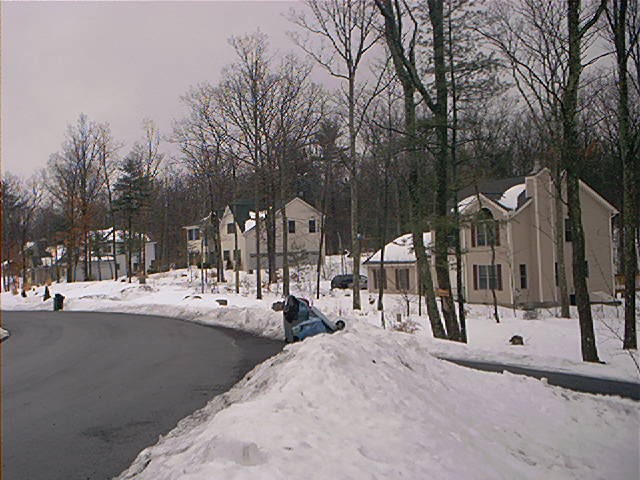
column 370, row 404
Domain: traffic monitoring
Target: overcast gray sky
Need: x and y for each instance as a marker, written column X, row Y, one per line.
column 116, row 62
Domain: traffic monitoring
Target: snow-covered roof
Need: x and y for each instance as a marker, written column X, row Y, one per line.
column 107, row 234
column 508, row 200
column 399, row 250
column 251, row 222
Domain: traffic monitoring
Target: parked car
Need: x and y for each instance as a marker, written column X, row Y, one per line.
column 346, row 281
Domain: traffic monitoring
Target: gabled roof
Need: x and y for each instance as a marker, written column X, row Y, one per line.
column 399, row 250
column 240, row 210
column 250, row 224
column 492, row 189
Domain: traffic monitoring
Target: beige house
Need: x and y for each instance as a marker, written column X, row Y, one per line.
column 519, row 214
column 238, row 233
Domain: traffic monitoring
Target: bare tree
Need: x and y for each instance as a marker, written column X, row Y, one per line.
column 347, row 30
column 245, row 98
column 107, row 150
column 625, row 30
column 402, row 46
column 75, row 184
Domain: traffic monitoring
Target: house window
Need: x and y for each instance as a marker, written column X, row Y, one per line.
column 231, row 228
column 292, row 226
column 377, row 274
column 567, row 231
column 486, row 231
column 226, row 255
column 312, row 225
column 402, row 279
column 487, row 277
column 523, row 276
column 193, row 234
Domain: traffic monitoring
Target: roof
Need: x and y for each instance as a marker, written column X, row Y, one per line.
column 492, row 189
column 240, row 210
column 508, row 193
column 399, row 250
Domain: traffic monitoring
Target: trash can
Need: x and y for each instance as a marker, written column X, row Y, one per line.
column 58, row 302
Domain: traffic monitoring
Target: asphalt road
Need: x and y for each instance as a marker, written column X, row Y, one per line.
column 83, row 393
column 578, row 383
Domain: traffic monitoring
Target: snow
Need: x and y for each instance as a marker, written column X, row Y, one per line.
column 509, row 198
column 3, row 333
column 399, row 250
column 374, row 403
column 370, row 404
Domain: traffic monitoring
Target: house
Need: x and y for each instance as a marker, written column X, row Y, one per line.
column 102, row 258
column 517, row 217
column 238, row 233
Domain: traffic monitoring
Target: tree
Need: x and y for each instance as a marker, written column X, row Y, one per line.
column 348, row 27
column 570, row 158
column 75, row 183
column 245, row 98
column 531, row 39
column 107, row 150
column 404, row 60
column 203, row 141
column 625, row 31
column 132, row 192
column 20, row 201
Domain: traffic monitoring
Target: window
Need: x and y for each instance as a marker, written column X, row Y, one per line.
column 567, row 231
column 376, row 278
column 487, row 277
column 292, row 226
column 555, row 266
column 523, row 277
column 312, row 225
column 193, row 234
column 226, row 255
column 486, row 231
column 402, row 279
column 231, row 228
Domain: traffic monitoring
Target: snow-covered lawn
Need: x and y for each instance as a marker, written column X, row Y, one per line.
column 373, row 403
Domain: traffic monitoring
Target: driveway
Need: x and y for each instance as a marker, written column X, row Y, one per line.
column 83, row 393
column 579, row 383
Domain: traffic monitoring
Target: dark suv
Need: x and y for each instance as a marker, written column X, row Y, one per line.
column 346, row 281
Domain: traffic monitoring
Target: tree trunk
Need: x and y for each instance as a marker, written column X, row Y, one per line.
column 271, row 243
column 559, row 242
column 571, row 163
column 426, row 283
column 285, row 252
column 630, row 165
column 436, row 17
column 454, row 180
column 355, row 233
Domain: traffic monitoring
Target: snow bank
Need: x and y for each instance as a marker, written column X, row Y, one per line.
column 549, row 342
column 365, row 404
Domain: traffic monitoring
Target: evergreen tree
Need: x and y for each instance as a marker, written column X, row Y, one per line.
column 132, row 190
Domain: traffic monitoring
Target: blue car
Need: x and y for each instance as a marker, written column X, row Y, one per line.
column 302, row 321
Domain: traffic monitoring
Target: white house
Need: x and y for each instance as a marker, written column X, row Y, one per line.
column 238, row 233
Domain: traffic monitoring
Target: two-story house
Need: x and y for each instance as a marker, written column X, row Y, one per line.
column 238, row 233
column 508, row 245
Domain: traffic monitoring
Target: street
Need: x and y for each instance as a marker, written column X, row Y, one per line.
column 84, row 393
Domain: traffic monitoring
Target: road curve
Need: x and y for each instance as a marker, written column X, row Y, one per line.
column 83, row 393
